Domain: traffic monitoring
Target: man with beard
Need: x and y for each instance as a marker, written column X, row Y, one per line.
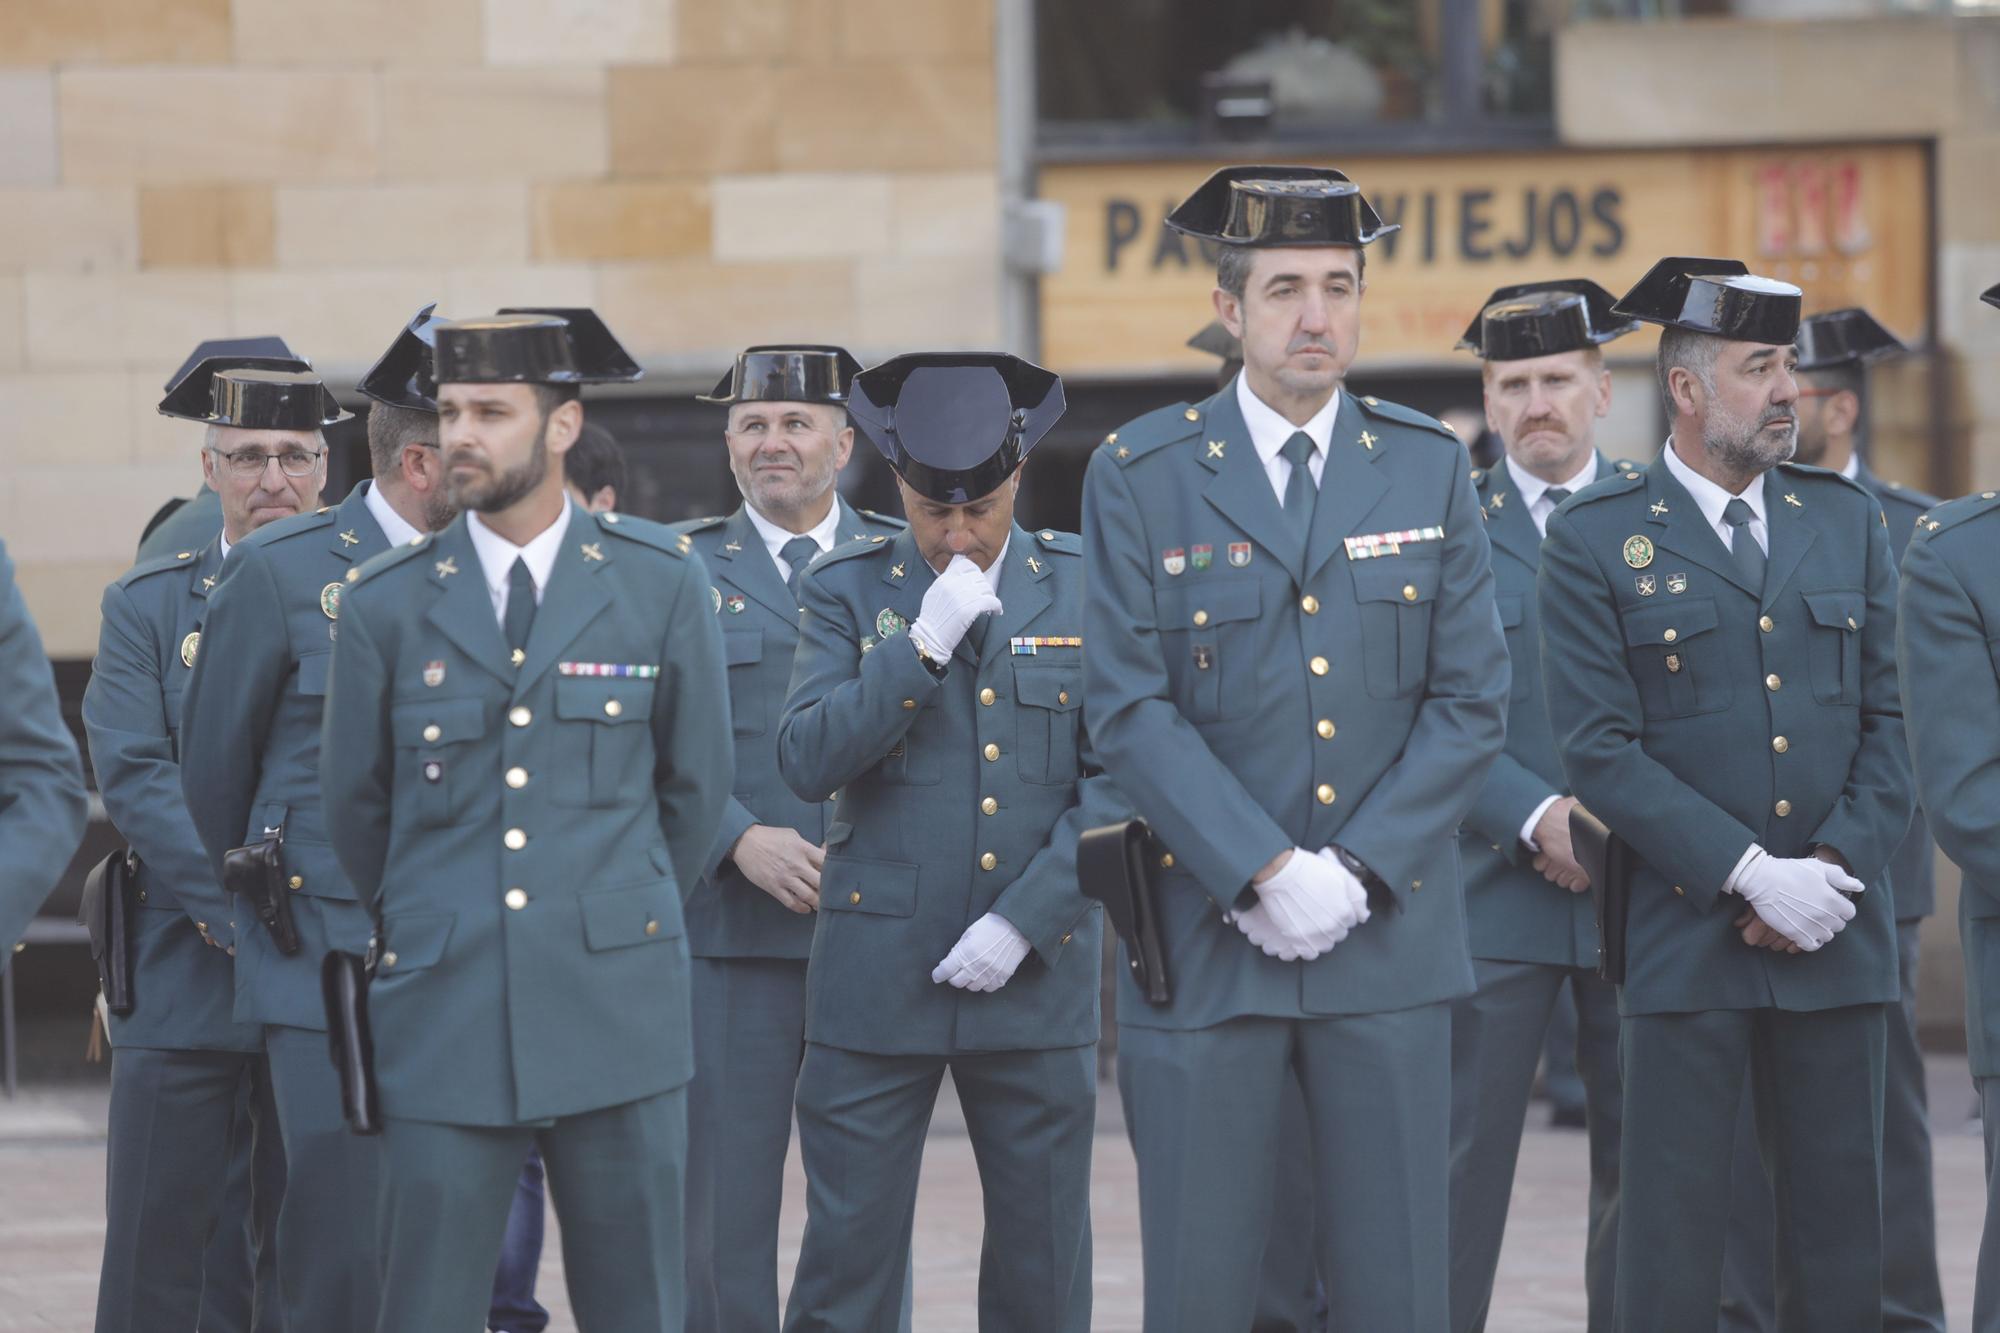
column 526, row 753
column 1527, row 901
column 750, row 919
column 1297, row 677
column 181, row 1057
column 250, row 771
column 1718, row 638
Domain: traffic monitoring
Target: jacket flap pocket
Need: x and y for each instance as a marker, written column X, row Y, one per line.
column 412, row 940
column 1671, row 622
column 1196, row 605
column 1838, row 608
column 604, row 699
column 632, row 914
column 838, row 832
column 741, row 647
column 1059, row 688
column 437, row 721
column 1512, row 611
column 312, row 672
column 1407, row 579
column 859, row 884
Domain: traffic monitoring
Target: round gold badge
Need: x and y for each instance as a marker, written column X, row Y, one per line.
column 329, row 600
column 189, row 647
column 1638, row 552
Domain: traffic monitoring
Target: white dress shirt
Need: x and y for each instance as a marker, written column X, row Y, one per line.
column 1269, row 431
column 824, row 534
column 1535, row 492
column 1713, row 500
column 399, row 530
column 497, row 556
column 1851, row 469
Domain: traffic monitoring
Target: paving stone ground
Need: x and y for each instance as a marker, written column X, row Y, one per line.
column 52, row 1183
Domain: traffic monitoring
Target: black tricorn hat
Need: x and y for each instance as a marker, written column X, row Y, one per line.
column 531, row 347
column 1262, row 206
column 1721, row 297
column 599, row 357
column 1542, row 318
column 1991, row 295
column 786, row 373
column 239, row 350
column 1838, row 337
column 405, row 374
column 954, row 425
column 1215, row 338
column 269, row 397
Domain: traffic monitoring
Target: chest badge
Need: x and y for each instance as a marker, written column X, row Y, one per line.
column 1677, row 583
column 1657, row 508
column 189, row 647
column 1239, row 554
column 329, row 600
column 1201, row 557
column 592, row 551
column 446, row 567
column 1367, row 440
column 889, row 623
column 1638, row 552
column 434, row 674
column 1174, row 560
column 1646, row 585
column 1793, row 501
column 735, row 604
column 208, row 583
column 1216, row 447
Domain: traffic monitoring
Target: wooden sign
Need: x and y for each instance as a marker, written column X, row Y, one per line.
column 1851, row 225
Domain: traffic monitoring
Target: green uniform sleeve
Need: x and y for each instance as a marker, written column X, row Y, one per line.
column 42, row 800
column 357, row 754
column 1509, row 795
column 694, row 750
column 736, row 821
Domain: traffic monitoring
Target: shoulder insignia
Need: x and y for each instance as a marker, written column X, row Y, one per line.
column 691, row 526
column 389, row 559
column 1162, row 426
column 849, row 550
column 1624, row 465
column 323, row 509
column 1810, row 475
column 272, row 533
column 1388, row 411
column 157, row 565
column 645, row 532
column 1065, row 543
column 1951, row 513
column 1605, row 488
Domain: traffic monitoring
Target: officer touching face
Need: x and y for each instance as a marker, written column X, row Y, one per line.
column 938, row 691
column 1720, row 675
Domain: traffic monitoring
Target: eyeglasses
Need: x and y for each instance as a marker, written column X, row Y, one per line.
column 249, row 464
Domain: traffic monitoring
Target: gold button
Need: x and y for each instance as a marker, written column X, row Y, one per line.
column 1766, row 624
column 1679, row 892
column 855, row 896
column 1063, row 940
column 389, row 958
column 1309, row 604
column 515, row 839
column 989, row 806
column 297, row 882
column 1671, row 635
column 1325, row 793
column 991, row 752
column 1192, row 415
column 1782, row 808
column 1416, row 884
column 909, row 703
column 352, row 575
column 1325, row 728
column 1772, row 682
column 988, row 861
column 1047, row 534
column 1167, row 861
column 652, row 927
column 1851, row 624
column 1780, row 744
column 433, row 733
column 612, row 708
column 520, row 716
column 1409, row 592
column 1201, row 618
column 517, row 778
column 1318, row 665
column 1062, row 696
column 516, row 899
column 986, row 697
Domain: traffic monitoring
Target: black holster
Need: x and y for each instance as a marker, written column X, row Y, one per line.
column 256, row 874
column 343, row 979
column 106, row 912
column 1114, row 865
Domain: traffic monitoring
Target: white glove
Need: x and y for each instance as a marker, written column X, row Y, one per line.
column 959, row 596
column 1800, row 899
column 1306, row 908
column 985, row 956
column 1257, row 926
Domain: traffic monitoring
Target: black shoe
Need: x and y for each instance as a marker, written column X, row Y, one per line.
column 1567, row 1117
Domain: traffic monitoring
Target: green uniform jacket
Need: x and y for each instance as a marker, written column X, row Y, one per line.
column 1670, row 686
column 728, row 916
column 42, row 801
column 956, row 797
column 1512, row 912
column 1249, row 696
column 189, row 528
column 524, row 834
column 183, row 987
column 250, row 757
column 1948, row 646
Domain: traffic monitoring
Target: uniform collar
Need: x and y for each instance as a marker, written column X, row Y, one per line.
column 1709, row 497
column 399, row 530
column 1852, row 471
column 1532, row 488
column 1269, row 431
column 497, row 554
column 824, row 533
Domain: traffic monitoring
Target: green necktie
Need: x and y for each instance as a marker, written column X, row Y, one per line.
column 1743, row 544
column 520, row 617
column 798, row 553
column 1300, row 490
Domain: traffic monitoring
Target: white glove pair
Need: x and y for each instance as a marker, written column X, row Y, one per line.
column 985, row 956
column 1306, row 908
column 1799, row 898
column 959, row 596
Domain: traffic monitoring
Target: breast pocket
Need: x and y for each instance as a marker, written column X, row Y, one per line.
column 431, row 737
column 749, row 709
column 1838, row 615
column 1048, row 710
column 1521, row 645
column 1396, row 596
column 312, row 674
column 1676, row 658
column 603, row 745
column 1209, row 635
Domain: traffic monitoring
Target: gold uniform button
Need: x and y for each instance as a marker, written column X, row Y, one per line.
column 986, row 697
column 988, row 861
column 992, row 752
column 1671, row 635
column 1780, row 744
column 855, row 896
column 1319, row 666
column 515, row 839
column 1063, row 940
column 1416, row 884
column 1048, row 534
column 1325, row 793
column 1062, row 696
column 909, row 703
column 1851, row 624
column 612, row 708
column 1325, row 728
column 1200, row 618
column 1309, row 604
column 1167, row 861
column 516, row 899
column 989, row 806
column 1192, row 415
column 517, row 778
column 389, row 958
column 1679, row 892
column 1766, row 624
column 520, row 716
column 652, row 927
column 1409, row 592
column 433, row 733
column 1782, row 808
column 297, row 882
column 1772, row 682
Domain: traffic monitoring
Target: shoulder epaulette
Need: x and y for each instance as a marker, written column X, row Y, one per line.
column 1396, row 412
column 1951, row 513
column 691, row 526
column 646, row 532
column 1066, row 543
column 1909, row 495
column 1624, row 465
column 848, row 550
column 888, row 520
column 287, row 527
column 157, row 565
column 1604, row 488
column 1142, row 435
column 390, row 558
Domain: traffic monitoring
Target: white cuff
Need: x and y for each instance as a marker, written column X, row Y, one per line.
column 1528, row 829
column 1750, row 853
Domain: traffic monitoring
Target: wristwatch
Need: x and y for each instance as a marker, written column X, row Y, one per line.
column 1380, row 897
column 931, row 664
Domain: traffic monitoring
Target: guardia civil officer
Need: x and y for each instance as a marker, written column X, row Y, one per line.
column 181, row 1057
column 1836, row 351
column 42, row 800
column 525, row 757
column 1717, row 634
column 1298, row 678
column 188, row 524
column 250, row 765
column 750, row 920
column 1527, row 901
column 938, row 689
column 1948, row 619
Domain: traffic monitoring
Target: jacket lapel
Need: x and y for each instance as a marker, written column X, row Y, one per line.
column 576, row 594
column 907, row 578
column 463, row 610
column 1675, row 521
column 356, row 535
column 1241, row 489
column 742, row 560
column 1509, row 526
column 1349, row 487
column 1024, row 595
column 1791, row 535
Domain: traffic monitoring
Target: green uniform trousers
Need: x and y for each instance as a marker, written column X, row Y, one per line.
column 1816, row 1078
column 1986, row 1291
column 329, row 1266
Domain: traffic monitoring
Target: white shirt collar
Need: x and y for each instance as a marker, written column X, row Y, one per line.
column 1710, row 497
column 399, row 530
column 824, row 534
column 999, row 565
column 223, row 538
column 1269, row 430
column 1852, row 468
column 1533, row 488
column 497, row 555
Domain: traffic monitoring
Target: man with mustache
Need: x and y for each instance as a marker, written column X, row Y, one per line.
column 751, row 917
column 1527, row 901
column 1718, row 634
